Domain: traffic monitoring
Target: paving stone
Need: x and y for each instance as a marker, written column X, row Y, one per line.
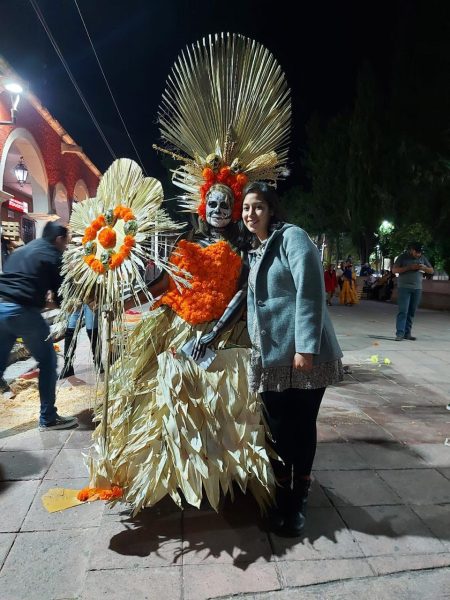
column 385, row 455
column 383, row 565
column 427, row 585
column 356, row 488
column 155, row 583
column 327, row 433
column 25, row 465
column 390, row 530
column 437, row 518
column 317, row 497
column 34, row 440
column 209, row 538
column 325, row 536
column 310, row 572
column 418, row 486
column 15, row 500
column 138, row 543
column 435, row 455
column 445, row 473
column 334, row 457
column 415, row 433
column 216, row 580
column 79, row 439
column 364, row 431
column 68, row 464
column 6, row 541
column 46, row 565
column 83, row 516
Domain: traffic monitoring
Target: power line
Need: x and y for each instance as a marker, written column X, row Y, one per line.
column 108, row 86
column 69, row 73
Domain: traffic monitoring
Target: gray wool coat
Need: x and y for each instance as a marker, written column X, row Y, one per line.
column 289, row 301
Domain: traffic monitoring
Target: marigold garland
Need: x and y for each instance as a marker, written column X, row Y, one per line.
column 211, row 290
column 102, row 229
column 235, row 181
column 103, row 494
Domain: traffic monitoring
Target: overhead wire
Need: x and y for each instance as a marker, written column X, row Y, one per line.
column 69, row 73
column 108, row 86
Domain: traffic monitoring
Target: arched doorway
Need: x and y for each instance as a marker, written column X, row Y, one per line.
column 34, row 193
column 80, row 191
column 61, row 203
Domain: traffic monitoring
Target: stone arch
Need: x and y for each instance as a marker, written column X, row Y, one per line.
column 22, row 140
column 61, row 203
column 80, row 191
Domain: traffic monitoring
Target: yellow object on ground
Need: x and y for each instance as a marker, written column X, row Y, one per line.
column 57, row 499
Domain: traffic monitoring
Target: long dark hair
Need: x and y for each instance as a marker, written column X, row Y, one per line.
column 269, row 195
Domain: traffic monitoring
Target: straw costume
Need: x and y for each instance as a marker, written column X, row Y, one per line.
column 173, row 427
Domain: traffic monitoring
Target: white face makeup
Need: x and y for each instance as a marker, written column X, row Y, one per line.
column 219, row 206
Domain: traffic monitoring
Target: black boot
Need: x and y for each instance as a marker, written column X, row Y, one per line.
column 277, row 513
column 296, row 516
column 69, row 353
column 96, row 348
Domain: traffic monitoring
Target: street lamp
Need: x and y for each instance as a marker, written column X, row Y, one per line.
column 21, row 172
column 15, row 90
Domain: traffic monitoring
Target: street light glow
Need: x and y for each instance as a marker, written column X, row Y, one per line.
column 14, row 88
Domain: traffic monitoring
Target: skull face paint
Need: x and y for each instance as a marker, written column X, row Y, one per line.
column 219, row 205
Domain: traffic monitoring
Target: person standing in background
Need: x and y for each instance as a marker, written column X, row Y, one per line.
column 410, row 267
column 330, row 282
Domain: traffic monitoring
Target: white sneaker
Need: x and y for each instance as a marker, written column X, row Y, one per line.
column 60, row 423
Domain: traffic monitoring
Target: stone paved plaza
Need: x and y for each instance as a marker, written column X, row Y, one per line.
column 379, row 512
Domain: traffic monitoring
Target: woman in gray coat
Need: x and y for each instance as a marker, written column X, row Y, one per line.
column 295, row 354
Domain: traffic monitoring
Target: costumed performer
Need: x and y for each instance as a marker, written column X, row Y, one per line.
column 175, row 427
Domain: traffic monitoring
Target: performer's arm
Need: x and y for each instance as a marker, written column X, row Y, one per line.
column 156, row 288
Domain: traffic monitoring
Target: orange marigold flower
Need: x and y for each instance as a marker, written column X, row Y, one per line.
column 107, row 237
column 89, row 234
column 128, row 216
column 116, row 260
column 97, row 266
column 129, row 241
column 89, row 259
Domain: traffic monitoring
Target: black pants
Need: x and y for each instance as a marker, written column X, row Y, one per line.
column 291, row 416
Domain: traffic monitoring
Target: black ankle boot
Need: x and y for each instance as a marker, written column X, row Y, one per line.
column 69, row 353
column 296, row 515
column 278, row 512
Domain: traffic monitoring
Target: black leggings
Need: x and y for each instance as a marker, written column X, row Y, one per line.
column 291, row 417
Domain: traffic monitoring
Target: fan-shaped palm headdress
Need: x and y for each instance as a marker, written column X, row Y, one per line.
column 227, row 108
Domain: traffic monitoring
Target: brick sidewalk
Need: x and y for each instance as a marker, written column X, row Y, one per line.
column 378, row 522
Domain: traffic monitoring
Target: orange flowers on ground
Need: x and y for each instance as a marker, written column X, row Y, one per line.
column 101, row 493
column 215, row 272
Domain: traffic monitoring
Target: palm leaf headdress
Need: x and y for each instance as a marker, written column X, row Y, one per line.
column 225, row 115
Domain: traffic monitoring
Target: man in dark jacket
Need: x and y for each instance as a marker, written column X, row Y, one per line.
column 30, row 273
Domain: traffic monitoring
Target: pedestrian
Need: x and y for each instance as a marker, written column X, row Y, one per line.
column 30, row 273
column 411, row 267
column 330, row 282
column 70, row 339
column 348, row 294
column 295, row 353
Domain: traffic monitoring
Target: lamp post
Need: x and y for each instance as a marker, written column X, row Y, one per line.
column 21, row 172
column 15, row 90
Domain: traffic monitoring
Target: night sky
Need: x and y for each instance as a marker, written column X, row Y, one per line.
column 320, row 49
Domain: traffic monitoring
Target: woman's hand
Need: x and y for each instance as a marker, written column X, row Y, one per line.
column 303, row 362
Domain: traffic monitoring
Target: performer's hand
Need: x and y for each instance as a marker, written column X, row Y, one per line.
column 303, row 362
column 201, row 345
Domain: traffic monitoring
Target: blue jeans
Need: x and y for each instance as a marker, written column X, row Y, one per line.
column 408, row 300
column 90, row 318
column 27, row 322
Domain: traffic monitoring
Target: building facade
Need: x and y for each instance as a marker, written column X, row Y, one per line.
column 59, row 172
